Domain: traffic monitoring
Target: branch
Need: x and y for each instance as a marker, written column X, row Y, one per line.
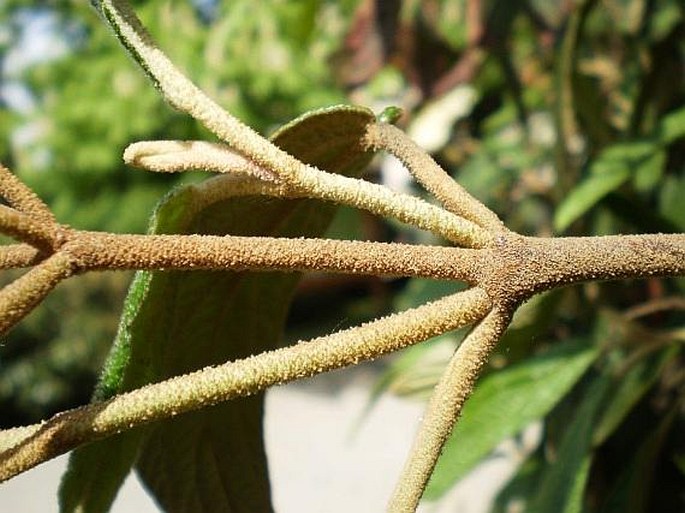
column 454, row 197
column 213, row 385
column 444, row 408
column 24, row 228
column 104, row 251
column 15, row 256
column 22, row 295
column 525, row 266
column 22, row 198
column 13, row 436
column 187, row 97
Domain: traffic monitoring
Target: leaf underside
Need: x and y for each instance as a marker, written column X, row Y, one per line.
column 177, row 322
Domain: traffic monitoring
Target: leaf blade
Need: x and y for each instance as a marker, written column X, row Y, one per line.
column 563, row 483
column 174, row 322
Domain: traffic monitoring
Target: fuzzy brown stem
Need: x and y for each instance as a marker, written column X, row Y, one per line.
column 214, row 385
column 453, row 196
column 16, row 256
column 22, row 198
column 22, row 295
column 444, row 408
column 513, row 270
column 95, row 251
column 522, row 266
column 24, row 228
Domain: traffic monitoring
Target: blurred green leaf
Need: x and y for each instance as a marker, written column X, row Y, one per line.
column 629, row 389
column 417, row 368
column 679, row 460
column 563, row 482
column 649, row 172
column 521, row 486
column 504, row 403
column 671, row 204
column 665, row 19
column 416, row 371
column 576, row 496
column 529, row 326
column 587, row 194
column 634, row 485
column 672, row 126
column 644, row 159
column 177, row 322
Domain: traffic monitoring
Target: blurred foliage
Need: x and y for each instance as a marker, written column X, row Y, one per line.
column 88, row 101
column 572, row 121
column 566, row 118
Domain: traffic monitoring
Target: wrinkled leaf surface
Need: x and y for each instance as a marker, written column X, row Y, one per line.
column 177, row 322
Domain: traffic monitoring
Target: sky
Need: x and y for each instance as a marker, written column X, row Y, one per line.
column 38, row 38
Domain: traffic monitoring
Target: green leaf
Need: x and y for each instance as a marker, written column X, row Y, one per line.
column 632, row 489
column 649, row 172
column 643, row 159
column 587, row 194
column 672, row 126
column 574, row 501
column 563, row 484
column 623, row 154
column 671, row 204
column 176, row 322
column 504, row 403
column 531, row 322
column 630, row 389
column 96, row 472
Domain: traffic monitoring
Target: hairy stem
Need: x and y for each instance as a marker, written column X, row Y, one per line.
column 13, row 436
column 187, row 97
column 523, row 266
column 515, row 269
column 16, row 256
column 214, row 385
column 22, row 198
column 444, row 408
column 175, row 156
column 22, row 295
column 96, row 251
column 24, row 228
column 453, row 196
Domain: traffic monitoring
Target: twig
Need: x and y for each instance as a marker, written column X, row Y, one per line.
column 187, row 97
column 22, row 295
column 175, row 156
column 655, row 306
column 24, row 228
column 22, row 198
column 99, row 251
column 444, row 408
column 15, row 256
column 214, row 385
column 453, row 196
